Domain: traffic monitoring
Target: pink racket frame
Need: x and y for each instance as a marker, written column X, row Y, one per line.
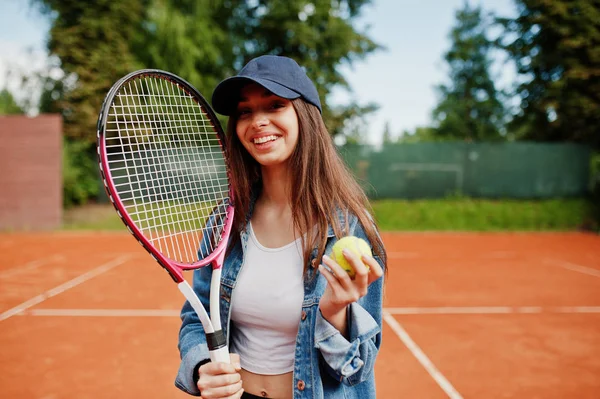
column 175, row 269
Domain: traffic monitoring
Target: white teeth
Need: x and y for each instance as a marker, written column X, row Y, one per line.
column 264, row 139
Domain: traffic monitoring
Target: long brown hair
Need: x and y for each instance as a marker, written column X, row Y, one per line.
column 321, row 185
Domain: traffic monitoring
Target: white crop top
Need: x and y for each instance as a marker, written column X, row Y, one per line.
column 266, row 305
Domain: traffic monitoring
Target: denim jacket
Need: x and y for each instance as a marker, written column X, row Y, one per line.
column 326, row 365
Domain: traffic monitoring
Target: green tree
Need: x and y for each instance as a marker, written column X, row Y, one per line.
column 348, row 120
column 92, row 41
column 188, row 38
column 556, row 47
column 8, row 105
column 387, row 134
column 419, row 135
column 206, row 40
column 53, row 93
column 469, row 107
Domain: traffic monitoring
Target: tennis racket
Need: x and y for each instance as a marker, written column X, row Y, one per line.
column 163, row 162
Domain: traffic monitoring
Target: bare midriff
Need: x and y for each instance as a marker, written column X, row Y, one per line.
column 277, row 386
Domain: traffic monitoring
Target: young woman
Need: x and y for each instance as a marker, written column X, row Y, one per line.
column 297, row 325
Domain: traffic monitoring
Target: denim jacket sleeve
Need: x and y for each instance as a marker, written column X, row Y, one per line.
column 352, row 360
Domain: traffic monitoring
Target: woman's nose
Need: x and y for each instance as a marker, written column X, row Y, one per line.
column 259, row 120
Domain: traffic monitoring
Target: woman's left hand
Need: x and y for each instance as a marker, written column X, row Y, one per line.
column 342, row 290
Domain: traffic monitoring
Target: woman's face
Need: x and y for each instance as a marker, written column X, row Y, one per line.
column 267, row 125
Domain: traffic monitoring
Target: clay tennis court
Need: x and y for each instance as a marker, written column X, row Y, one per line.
column 498, row 315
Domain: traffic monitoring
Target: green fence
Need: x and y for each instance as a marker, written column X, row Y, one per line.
column 485, row 170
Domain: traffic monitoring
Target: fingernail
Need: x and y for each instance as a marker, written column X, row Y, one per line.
column 326, row 257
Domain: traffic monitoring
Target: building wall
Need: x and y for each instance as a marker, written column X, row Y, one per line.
column 30, row 172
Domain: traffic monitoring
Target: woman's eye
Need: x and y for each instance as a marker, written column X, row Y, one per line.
column 243, row 112
column 277, row 105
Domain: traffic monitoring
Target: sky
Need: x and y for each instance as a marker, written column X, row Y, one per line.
column 401, row 78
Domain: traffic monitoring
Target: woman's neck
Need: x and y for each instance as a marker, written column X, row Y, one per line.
column 272, row 219
column 276, row 184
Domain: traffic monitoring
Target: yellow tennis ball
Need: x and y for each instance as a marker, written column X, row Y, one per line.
column 356, row 245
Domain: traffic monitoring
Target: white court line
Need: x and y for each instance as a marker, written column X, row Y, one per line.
column 63, row 287
column 421, row 357
column 578, row 309
column 417, row 255
column 483, row 310
column 102, row 312
column 31, row 266
column 572, row 266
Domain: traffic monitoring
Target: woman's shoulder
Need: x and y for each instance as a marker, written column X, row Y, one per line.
column 349, row 221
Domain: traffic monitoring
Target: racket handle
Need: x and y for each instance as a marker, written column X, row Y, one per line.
column 220, row 355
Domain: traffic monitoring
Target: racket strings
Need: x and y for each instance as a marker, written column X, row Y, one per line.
column 167, row 165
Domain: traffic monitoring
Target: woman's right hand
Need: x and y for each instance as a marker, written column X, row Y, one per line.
column 221, row 380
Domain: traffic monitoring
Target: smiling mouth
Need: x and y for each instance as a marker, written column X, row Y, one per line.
column 265, row 139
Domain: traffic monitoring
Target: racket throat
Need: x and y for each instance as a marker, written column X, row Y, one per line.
column 216, row 340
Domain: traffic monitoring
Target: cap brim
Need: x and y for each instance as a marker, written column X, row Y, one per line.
column 227, row 93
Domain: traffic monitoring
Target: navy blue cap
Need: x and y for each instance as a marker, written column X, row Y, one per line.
column 282, row 76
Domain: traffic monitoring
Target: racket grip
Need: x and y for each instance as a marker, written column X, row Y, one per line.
column 220, row 355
